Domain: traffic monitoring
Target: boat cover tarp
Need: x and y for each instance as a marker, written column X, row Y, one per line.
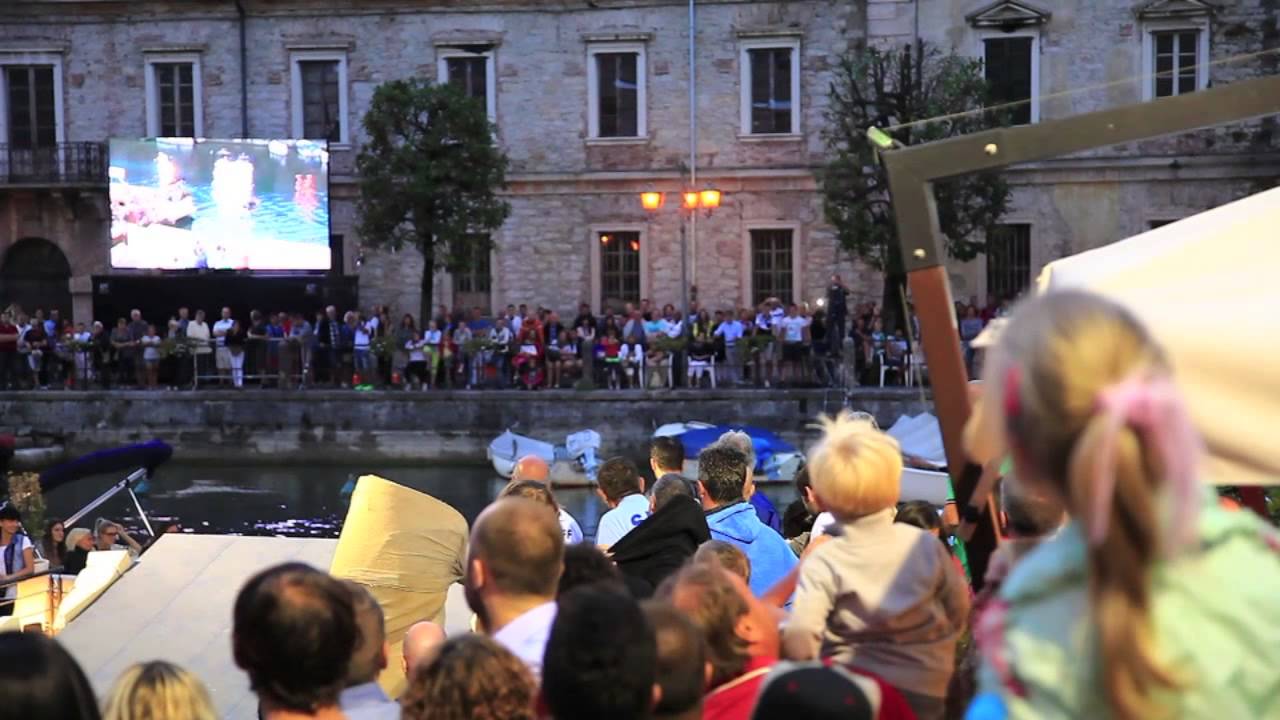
column 920, row 437
column 149, row 455
column 765, row 443
column 512, row 447
column 408, row 548
column 1207, row 287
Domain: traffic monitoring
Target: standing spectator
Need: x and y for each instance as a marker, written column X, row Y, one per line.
column 528, row 360
column 328, row 345
column 38, row 349
column 724, row 482
column 1150, row 603
column 740, row 632
column 585, row 317
column 256, row 345
column 681, row 667
column 554, row 354
column 533, row 469
column 222, row 356
column 362, row 339
column 235, row 342
column 433, row 340
column 150, row 344
column 586, row 564
column 601, row 658
column 53, row 326
column 634, row 326
column 404, row 332
column 199, row 336
column 158, row 690
column 500, row 353
column 837, row 311
column 421, row 643
column 362, row 698
column 17, row 553
column 294, row 632
column 621, row 488
column 570, row 360
column 463, row 360
column 612, row 351
column 514, row 561
column 137, row 330
column 471, row 678
column 970, row 328
column 793, row 331
column 882, row 596
column 104, row 354
column 416, row 370
column 701, row 349
column 666, row 457
column 730, row 332
column 9, row 361
column 585, row 334
column 662, row 542
column 276, row 323
column 122, row 348
column 42, row 680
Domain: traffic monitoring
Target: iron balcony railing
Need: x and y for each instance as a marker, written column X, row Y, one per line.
column 68, row 163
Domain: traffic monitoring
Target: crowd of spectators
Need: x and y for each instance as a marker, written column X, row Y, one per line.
column 631, row 346
column 1112, row 597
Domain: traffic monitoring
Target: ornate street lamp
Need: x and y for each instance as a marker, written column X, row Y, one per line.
column 690, row 202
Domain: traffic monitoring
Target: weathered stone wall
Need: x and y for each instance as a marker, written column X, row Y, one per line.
column 319, row 425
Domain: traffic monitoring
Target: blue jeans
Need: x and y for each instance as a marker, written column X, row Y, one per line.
column 365, row 363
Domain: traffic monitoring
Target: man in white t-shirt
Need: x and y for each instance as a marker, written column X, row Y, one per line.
column 731, row 330
column 620, row 486
column 792, row 328
column 222, row 355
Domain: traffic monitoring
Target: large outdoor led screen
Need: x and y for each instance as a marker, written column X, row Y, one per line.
column 179, row 204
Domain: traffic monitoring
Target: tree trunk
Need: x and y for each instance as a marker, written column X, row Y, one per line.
column 425, row 305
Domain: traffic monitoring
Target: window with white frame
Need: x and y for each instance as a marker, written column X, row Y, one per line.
column 31, row 120
column 174, row 97
column 1011, row 65
column 472, row 72
column 1175, row 48
column 770, row 86
column 619, row 268
column 772, row 264
column 616, row 90
column 319, row 94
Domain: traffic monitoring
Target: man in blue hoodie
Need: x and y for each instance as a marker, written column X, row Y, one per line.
column 724, row 484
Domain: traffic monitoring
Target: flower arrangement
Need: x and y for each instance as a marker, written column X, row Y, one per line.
column 669, row 344
column 24, row 492
column 756, row 343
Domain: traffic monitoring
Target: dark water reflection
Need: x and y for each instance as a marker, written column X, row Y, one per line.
column 301, row 500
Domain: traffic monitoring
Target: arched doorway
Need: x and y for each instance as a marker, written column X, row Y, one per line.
column 36, row 274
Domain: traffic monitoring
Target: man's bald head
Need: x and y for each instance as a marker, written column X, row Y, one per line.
column 369, row 657
column 420, row 643
column 531, row 467
column 521, row 545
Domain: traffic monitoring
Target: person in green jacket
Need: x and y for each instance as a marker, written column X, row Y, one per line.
column 1153, row 601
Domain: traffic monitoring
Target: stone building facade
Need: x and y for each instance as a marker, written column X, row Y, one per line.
column 579, row 160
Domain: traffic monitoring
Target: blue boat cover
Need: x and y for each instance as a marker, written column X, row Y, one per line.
column 128, row 458
column 764, row 442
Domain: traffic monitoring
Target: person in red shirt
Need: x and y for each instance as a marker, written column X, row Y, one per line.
column 742, row 643
column 9, row 360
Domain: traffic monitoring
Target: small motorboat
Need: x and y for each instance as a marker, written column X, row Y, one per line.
column 574, row 463
column 776, row 459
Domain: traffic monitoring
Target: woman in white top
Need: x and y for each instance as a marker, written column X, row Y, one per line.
column 17, row 555
column 199, row 337
column 631, row 355
column 417, row 367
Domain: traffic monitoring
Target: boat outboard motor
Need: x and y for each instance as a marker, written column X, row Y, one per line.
column 582, row 447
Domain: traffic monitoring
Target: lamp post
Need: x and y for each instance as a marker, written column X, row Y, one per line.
column 690, row 202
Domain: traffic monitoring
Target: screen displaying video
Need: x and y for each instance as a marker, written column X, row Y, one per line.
column 183, row 204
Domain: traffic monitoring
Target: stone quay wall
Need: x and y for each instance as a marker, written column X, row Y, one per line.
column 329, row 426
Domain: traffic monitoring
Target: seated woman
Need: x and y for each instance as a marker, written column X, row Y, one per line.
column 528, row 360
column 553, row 356
column 655, row 363
column 570, row 360
column 611, row 354
column 631, row 356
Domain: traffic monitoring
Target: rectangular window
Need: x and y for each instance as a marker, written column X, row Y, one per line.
column 175, row 99
column 32, row 107
column 471, row 71
column 1176, row 61
column 619, row 268
column 772, row 265
column 770, row 87
column 1009, row 260
column 1008, row 65
column 475, row 276
column 319, row 96
column 320, row 100
column 618, row 94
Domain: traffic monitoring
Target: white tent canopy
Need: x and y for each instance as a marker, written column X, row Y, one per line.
column 1209, row 289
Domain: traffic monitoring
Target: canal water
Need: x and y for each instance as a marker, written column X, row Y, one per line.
column 301, row 500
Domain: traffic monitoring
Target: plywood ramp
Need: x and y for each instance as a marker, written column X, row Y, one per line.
column 176, row 605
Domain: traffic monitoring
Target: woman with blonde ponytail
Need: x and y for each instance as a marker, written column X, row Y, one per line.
column 1153, row 602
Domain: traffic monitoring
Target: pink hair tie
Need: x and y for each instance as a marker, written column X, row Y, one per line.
column 1153, row 407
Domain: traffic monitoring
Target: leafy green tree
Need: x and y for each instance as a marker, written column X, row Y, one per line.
column 430, row 173
column 892, row 89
